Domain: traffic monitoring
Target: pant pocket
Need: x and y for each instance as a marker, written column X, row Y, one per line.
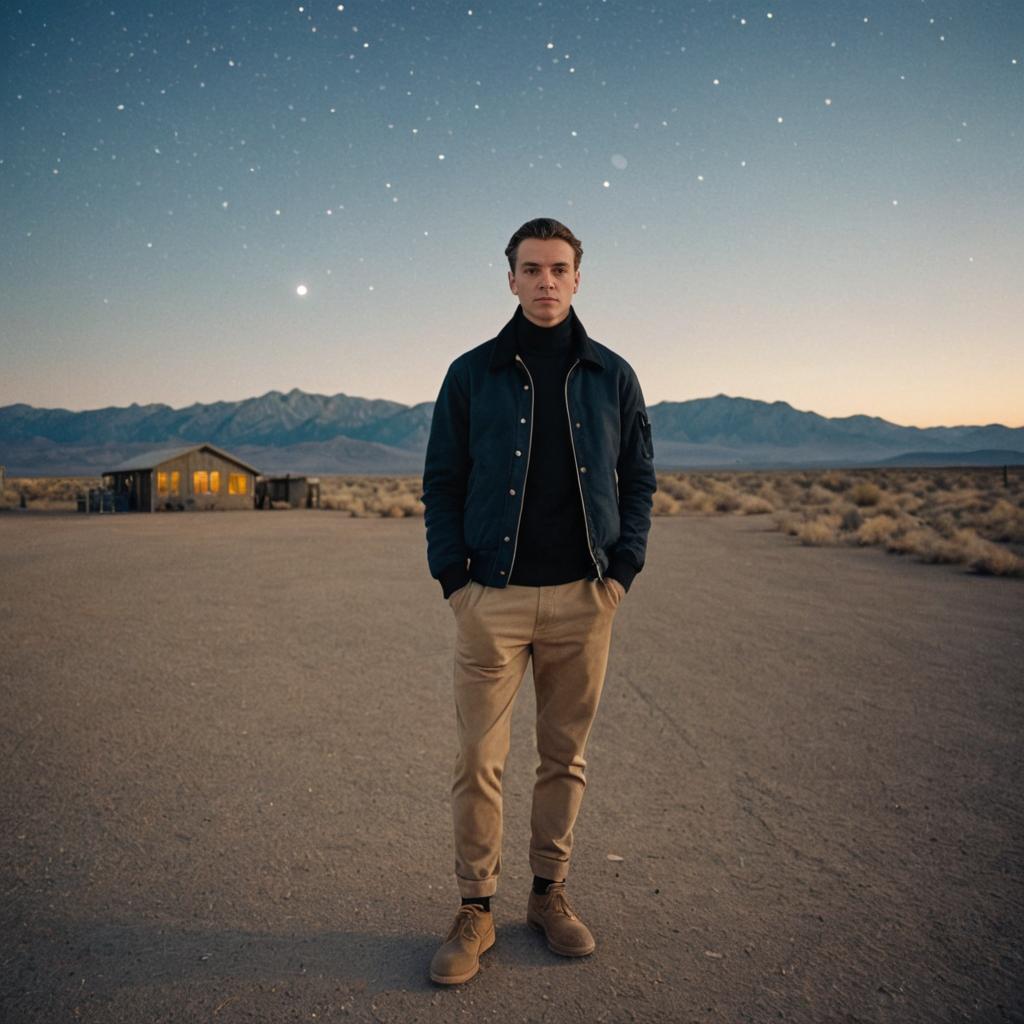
column 458, row 598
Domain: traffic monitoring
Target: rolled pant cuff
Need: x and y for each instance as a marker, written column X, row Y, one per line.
column 545, row 867
column 469, row 887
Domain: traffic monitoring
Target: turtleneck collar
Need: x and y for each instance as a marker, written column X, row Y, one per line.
column 503, row 348
column 543, row 341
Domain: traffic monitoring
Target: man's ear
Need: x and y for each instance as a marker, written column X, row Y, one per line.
column 512, row 283
column 576, row 283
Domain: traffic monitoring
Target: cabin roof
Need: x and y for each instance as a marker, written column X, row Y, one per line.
column 158, row 456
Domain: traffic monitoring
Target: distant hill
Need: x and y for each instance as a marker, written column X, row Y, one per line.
column 989, row 457
column 311, row 433
column 723, row 431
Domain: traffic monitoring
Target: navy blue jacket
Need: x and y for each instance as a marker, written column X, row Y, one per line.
column 479, row 449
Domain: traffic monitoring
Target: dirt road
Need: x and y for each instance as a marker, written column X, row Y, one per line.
column 226, row 742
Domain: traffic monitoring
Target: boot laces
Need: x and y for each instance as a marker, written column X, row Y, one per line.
column 464, row 923
column 559, row 902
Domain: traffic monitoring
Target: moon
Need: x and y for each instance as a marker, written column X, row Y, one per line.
column 301, row 290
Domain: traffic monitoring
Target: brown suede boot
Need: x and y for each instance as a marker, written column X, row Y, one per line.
column 458, row 959
column 551, row 914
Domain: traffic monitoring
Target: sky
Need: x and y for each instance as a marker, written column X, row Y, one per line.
column 813, row 201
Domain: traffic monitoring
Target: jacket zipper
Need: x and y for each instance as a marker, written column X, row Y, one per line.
column 522, row 497
column 576, row 466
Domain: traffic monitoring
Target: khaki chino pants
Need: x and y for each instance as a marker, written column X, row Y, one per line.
column 567, row 630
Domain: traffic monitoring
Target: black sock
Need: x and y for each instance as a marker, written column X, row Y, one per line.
column 540, row 885
column 480, row 901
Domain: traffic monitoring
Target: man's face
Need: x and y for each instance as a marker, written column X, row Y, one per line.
column 544, row 279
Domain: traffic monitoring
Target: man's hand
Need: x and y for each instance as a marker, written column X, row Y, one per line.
column 612, row 581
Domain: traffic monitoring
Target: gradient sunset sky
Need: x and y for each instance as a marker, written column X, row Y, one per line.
column 817, row 201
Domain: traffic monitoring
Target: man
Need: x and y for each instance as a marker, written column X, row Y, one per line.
column 537, row 487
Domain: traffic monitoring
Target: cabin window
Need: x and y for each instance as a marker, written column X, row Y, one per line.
column 236, row 483
column 200, row 481
column 175, row 481
column 215, row 481
column 161, row 482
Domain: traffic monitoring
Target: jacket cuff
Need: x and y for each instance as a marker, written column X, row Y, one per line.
column 623, row 570
column 452, row 577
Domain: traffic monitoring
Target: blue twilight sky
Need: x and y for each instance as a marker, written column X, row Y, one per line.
column 820, row 201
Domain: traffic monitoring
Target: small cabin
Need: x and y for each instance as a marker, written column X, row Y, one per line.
column 197, row 478
column 293, row 491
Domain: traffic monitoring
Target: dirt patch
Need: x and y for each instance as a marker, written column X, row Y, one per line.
column 227, row 741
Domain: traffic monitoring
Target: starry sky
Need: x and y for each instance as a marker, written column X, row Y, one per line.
column 819, row 201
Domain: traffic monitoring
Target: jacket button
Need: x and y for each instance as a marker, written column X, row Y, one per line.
column 502, row 572
column 518, row 452
column 523, row 420
column 507, row 539
column 526, row 387
column 577, row 423
column 583, row 469
column 511, row 490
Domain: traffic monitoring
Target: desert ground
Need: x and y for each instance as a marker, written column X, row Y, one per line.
column 227, row 738
column 970, row 516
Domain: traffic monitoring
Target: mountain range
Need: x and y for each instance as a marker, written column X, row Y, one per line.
column 298, row 432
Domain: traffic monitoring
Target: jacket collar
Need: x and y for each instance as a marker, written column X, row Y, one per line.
column 504, row 351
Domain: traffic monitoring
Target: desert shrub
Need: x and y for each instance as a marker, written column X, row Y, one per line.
column 366, row 496
column 900, row 542
column 675, row 487
column 933, row 547
column 816, row 495
column 968, row 499
column 835, row 481
column 945, row 524
column 918, row 540
column 1003, row 522
column 49, row 493
column 788, row 522
column 755, row 505
column 725, row 499
column 982, row 556
column 787, row 491
column 851, row 518
column 865, row 494
column 908, row 501
column 876, row 530
column 664, row 504
column 700, row 501
column 402, row 505
column 817, row 532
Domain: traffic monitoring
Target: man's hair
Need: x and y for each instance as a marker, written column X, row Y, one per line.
column 544, row 228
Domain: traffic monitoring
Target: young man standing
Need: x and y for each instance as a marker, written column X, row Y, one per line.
column 537, row 486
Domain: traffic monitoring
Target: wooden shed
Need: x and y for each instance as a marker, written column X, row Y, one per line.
column 294, row 491
column 197, row 478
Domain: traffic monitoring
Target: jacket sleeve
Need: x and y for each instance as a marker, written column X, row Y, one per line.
column 445, row 476
column 637, row 483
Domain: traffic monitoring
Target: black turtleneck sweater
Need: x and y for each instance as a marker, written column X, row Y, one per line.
column 552, row 544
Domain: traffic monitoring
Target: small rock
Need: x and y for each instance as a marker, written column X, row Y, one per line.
column 615, row 858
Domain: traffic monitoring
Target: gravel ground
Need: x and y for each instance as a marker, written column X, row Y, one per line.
column 226, row 743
